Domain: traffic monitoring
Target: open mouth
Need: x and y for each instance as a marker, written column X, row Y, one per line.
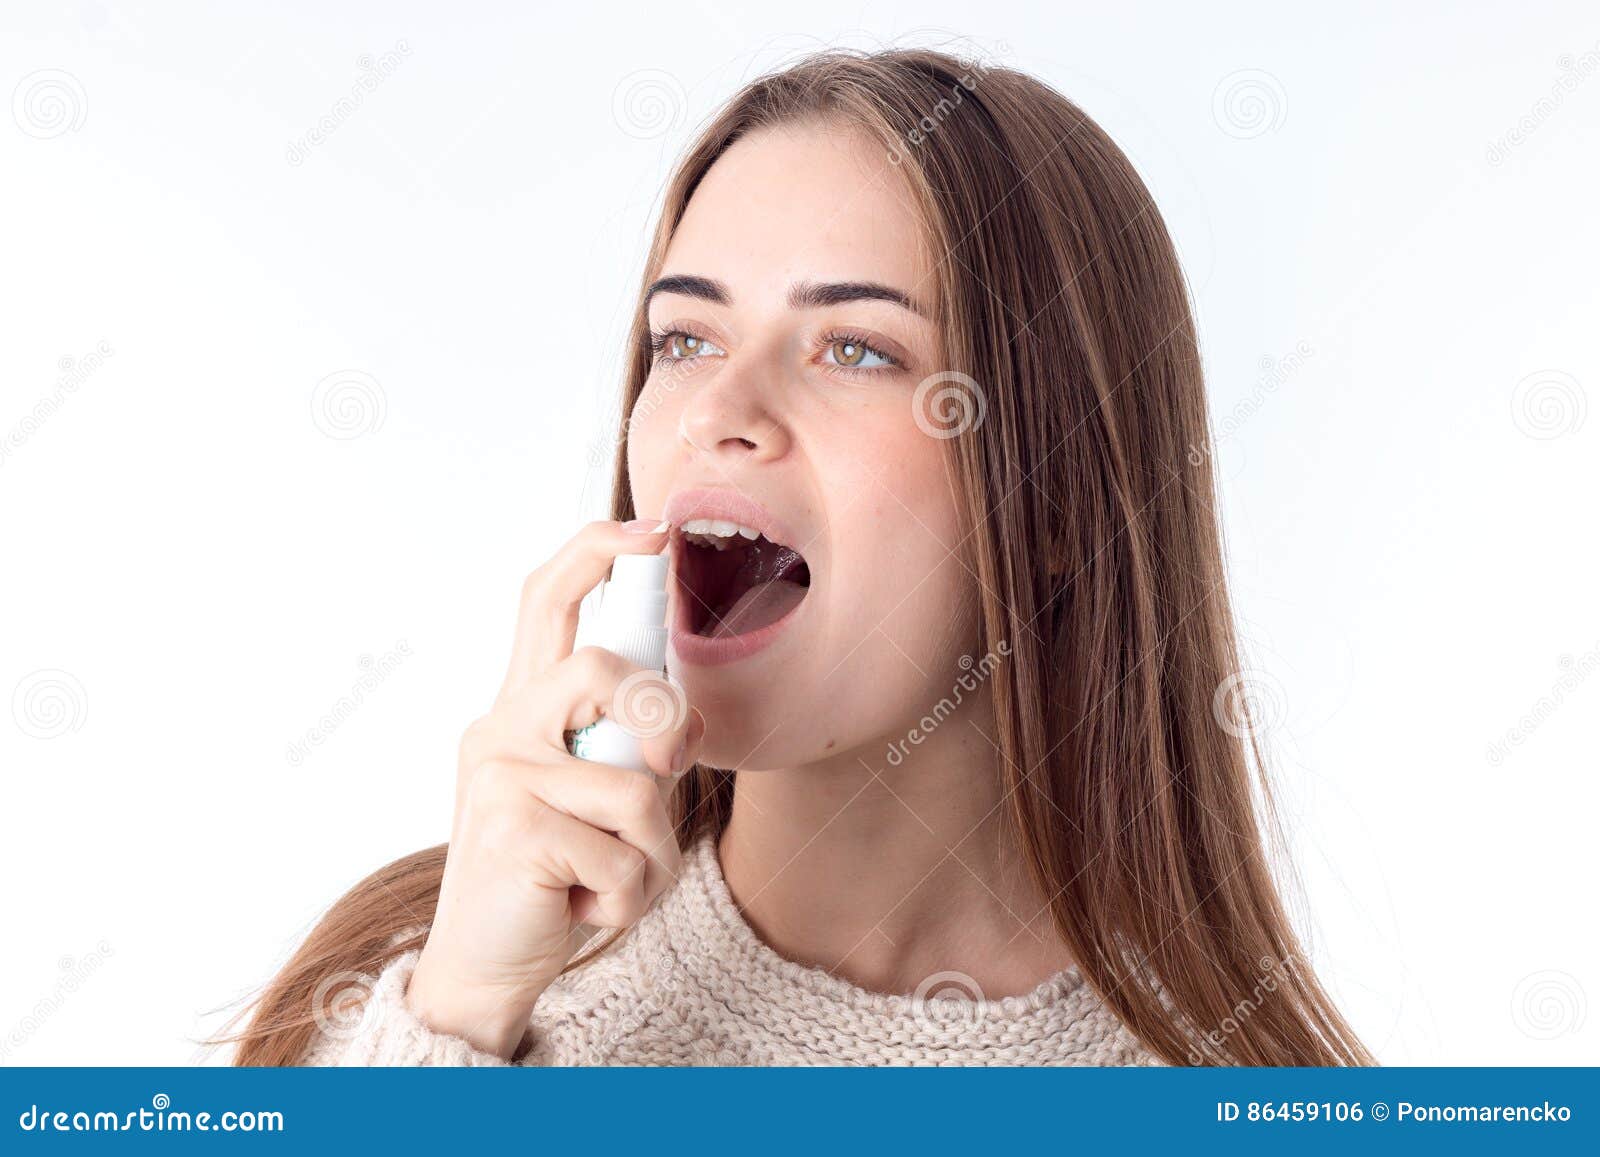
column 734, row 580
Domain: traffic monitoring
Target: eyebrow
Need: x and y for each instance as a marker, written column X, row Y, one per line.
column 802, row 295
column 705, row 288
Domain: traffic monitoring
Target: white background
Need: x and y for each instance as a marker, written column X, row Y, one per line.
column 192, row 568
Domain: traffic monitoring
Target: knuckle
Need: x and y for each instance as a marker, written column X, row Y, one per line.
column 517, row 828
column 638, row 796
column 593, row 663
column 495, row 787
column 472, row 737
column 533, row 586
column 537, row 817
column 629, row 906
column 627, row 866
column 492, row 779
column 500, row 830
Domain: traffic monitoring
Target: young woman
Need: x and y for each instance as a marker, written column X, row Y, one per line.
column 962, row 781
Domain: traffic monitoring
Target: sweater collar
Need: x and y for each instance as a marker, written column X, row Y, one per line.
column 707, row 940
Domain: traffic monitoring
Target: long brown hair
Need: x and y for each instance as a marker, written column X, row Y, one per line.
column 1082, row 452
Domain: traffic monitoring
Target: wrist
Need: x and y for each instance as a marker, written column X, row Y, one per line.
column 491, row 1020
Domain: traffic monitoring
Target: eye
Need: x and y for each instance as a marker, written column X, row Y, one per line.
column 679, row 346
column 852, row 353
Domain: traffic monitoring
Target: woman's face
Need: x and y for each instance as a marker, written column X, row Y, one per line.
column 793, row 323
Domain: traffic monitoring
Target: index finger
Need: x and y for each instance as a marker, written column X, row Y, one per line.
column 547, row 619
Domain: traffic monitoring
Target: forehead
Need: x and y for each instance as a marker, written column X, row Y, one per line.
column 814, row 201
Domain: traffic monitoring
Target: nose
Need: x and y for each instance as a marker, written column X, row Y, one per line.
column 728, row 419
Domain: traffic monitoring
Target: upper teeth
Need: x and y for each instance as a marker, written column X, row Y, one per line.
column 715, row 532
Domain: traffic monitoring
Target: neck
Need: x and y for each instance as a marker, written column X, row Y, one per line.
column 888, row 869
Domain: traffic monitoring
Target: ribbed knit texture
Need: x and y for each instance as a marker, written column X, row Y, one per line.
column 692, row 984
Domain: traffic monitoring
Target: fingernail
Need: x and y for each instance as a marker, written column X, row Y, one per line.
column 645, row 526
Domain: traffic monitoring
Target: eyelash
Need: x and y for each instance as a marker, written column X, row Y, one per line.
column 659, row 340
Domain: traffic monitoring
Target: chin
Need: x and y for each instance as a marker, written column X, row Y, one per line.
column 746, row 749
column 756, row 732
column 763, row 722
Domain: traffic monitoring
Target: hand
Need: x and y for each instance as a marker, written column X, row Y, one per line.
column 543, row 842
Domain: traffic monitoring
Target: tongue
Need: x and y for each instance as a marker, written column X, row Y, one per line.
column 760, row 606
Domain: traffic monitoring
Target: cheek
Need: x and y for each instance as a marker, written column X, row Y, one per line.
column 927, row 609
column 914, row 500
column 913, row 595
column 652, row 437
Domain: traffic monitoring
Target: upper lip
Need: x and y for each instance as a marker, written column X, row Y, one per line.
column 728, row 505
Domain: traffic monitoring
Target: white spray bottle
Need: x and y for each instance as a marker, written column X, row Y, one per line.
column 631, row 622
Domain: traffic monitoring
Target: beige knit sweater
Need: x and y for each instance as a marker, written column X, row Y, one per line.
column 692, row 984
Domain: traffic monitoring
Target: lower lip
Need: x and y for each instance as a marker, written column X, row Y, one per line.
column 701, row 651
